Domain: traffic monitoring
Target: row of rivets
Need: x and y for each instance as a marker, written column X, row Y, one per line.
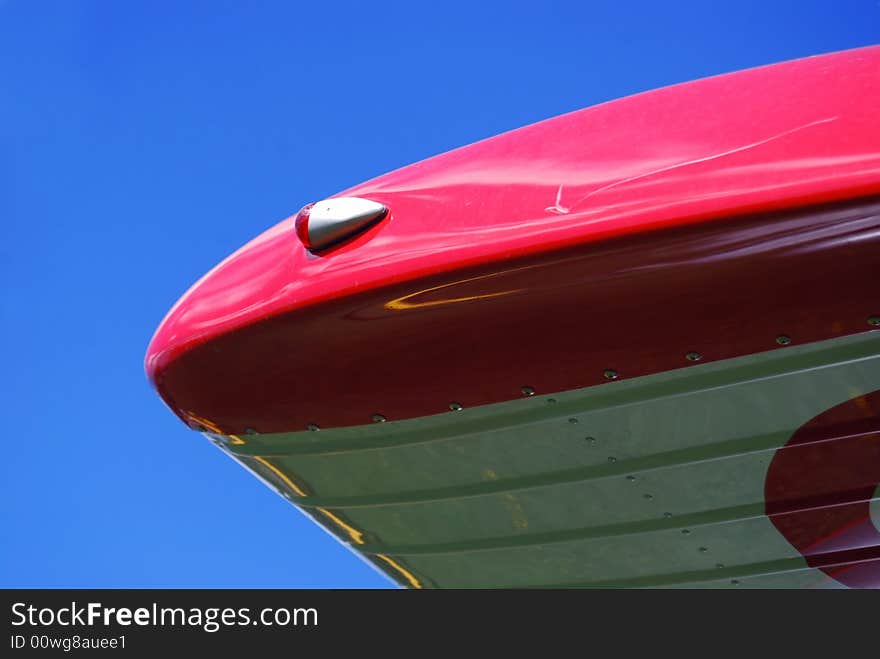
column 666, row 515
column 608, row 374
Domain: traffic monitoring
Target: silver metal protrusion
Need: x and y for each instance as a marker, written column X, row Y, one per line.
column 326, row 222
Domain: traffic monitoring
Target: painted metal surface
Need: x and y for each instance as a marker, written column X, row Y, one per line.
column 475, row 232
column 631, row 346
column 634, row 306
column 655, row 481
column 821, row 486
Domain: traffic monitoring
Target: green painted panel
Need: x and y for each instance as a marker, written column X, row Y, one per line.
column 656, row 481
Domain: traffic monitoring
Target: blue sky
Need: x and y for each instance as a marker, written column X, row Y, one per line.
column 141, row 142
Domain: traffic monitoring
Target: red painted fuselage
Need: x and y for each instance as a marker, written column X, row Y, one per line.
column 713, row 221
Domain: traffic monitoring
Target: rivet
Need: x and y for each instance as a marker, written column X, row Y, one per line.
column 874, row 321
column 630, row 478
column 612, row 459
column 648, row 496
column 703, row 550
column 528, row 391
column 685, row 531
column 719, row 565
column 379, row 418
column 610, row 374
column 313, row 427
column 455, row 407
column 551, row 401
column 667, row 515
column 693, row 356
column 590, row 440
column 573, row 420
column 735, row 582
column 783, row 340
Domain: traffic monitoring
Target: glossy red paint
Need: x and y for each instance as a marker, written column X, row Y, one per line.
column 301, row 225
column 655, row 222
column 635, row 305
column 819, row 490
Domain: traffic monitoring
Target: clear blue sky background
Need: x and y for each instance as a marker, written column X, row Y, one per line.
column 141, row 142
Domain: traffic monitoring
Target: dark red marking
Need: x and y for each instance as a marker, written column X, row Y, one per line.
column 819, row 488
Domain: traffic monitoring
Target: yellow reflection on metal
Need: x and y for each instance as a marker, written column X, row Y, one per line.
column 415, row 583
column 235, row 440
column 281, row 475
column 353, row 533
column 517, row 514
column 403, row 303
column 512, row 504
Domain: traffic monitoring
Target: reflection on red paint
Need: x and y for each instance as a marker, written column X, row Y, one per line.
column 301, row 224
column 620, row 237
column 636, row 306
